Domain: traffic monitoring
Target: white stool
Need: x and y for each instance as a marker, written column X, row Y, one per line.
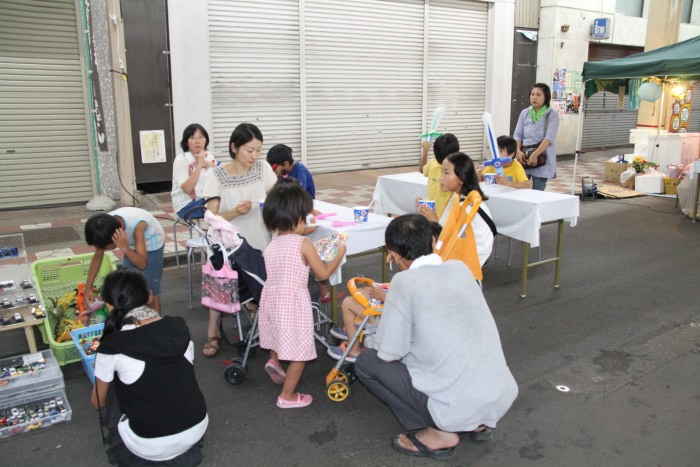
column 192, row 245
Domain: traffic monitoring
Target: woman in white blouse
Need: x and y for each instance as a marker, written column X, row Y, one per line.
column 242, row 185
column 190, row 169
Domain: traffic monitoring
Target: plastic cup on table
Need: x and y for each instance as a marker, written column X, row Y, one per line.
column 428, row 203
column 361, row 214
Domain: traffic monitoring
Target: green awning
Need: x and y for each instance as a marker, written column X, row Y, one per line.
column 681, row 60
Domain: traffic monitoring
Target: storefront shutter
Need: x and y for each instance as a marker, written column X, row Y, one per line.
column 348, row 84
column 457, row 69
column 605, row 125
column 44, row 147
column 255, row 72
column 364, row 72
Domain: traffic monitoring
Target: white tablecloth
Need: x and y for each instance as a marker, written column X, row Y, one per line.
column 517, row 213
column 361, row 237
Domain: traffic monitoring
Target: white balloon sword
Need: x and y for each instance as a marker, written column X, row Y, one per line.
column 433, row 133
column 496, row 162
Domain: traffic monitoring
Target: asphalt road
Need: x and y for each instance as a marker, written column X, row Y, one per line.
column 622, row 333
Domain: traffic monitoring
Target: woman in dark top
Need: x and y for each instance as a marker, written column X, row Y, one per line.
column 164, row 412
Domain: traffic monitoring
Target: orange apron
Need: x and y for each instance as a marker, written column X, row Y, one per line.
column 457, row 239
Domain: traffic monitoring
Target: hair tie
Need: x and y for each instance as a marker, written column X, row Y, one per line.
column 284, row 176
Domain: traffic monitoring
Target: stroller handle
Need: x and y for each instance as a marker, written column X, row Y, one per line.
column 352, row 288
column 203, row 207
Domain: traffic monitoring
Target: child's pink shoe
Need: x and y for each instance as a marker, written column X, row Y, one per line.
column 303, row 400
column 277, row 374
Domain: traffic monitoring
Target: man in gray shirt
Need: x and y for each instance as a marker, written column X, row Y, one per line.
column 437, row 360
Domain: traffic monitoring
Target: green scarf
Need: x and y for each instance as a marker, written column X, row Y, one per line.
column 536, row 115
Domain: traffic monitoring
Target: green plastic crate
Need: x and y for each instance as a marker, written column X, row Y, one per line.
column 55, row 277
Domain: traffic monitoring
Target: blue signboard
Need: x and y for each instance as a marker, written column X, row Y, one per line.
column 601, row 29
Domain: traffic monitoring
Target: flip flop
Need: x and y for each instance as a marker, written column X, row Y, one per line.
column 423, row 450
column 277, row 374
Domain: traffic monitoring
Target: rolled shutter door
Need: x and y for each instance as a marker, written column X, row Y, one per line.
column 457, row 70
column 364, row 72
column 44, row 147
column 254, row 66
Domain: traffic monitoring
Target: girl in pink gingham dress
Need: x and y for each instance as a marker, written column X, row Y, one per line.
column 286, row 317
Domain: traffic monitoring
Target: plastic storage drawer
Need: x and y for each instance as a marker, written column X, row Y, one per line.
column 34, row 412
column 48, row 378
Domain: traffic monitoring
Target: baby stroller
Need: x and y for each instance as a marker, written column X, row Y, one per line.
column 342, row 375
column 249, row 263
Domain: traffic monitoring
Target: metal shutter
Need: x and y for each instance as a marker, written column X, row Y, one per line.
column 604, row 125
column 457, row 69
column 44, row 148
column 364, row 83
column 255, row 72
column 694, row 126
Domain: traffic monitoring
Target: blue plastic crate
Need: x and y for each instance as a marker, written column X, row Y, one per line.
column 87, row 334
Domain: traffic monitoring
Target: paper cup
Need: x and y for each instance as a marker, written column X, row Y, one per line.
column 490, row 179
column 361, row 214
column 428, row 203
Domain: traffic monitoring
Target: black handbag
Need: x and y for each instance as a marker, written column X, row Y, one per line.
column 528, row 150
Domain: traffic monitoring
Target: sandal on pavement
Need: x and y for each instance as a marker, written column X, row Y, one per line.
column 211, row 346
column 303, row 400
column 326, row 297
column 484, row 433
column 423, row 450
column 277, row 374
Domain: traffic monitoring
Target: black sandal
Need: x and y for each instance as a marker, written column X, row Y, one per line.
column 423, row 450
column 479, row 436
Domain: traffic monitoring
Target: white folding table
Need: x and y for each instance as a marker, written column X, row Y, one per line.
column 363, row 239
column 517, row 213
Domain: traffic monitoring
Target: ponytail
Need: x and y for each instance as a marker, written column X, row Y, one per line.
column 124, row 290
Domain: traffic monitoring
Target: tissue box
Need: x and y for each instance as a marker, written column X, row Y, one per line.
column 671, row 185
column 613, row 170
column 649, row 183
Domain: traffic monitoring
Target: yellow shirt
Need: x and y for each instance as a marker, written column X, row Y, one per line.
column 432, row 170
column 515, row 171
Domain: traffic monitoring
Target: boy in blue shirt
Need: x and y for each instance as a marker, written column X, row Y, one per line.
column 138, row 235
column 280, row 158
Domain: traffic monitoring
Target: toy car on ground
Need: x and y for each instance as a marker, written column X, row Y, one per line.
column 38, row 313
column 19, row 299
column 6, row 303
column 5, row 320
column 31, row 298
column 25, row 284
column 17, row 317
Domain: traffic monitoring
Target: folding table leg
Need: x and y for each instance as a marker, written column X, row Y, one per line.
column 560, row 235
column 523, row 270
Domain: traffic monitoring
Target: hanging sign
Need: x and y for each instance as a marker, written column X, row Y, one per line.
column 601, row 29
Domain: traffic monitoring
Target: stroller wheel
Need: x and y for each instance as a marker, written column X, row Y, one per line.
column 241, row 349
column 338, row 391
column 235, row 373
column 349, row 370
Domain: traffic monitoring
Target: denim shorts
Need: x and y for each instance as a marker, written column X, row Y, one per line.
column 153, row 271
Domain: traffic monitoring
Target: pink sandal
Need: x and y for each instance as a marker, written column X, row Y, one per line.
column 303, row 400
column 277, row 374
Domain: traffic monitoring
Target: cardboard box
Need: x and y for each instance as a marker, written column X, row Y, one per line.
column 629, row 184
column 613, row 170
column 671, row 185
